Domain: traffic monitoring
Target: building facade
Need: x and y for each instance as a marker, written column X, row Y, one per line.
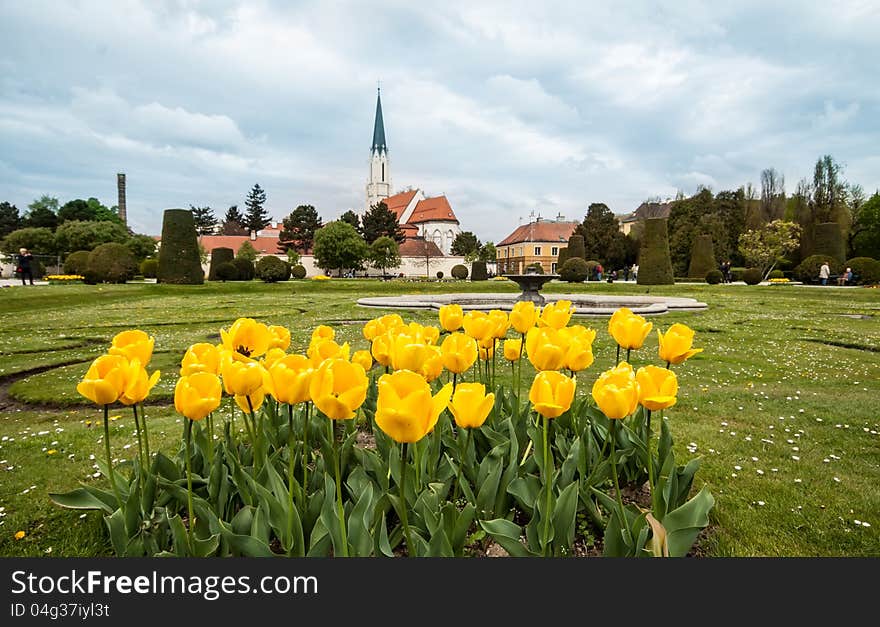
column 536, row 242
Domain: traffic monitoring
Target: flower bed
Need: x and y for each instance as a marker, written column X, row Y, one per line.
column 409, row 448
column 61, row 279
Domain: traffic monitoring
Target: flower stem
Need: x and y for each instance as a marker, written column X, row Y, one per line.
column 137, row 430
column 616, row 481
column 255, row 442
column 290, row 477
column 306, row 455
column 650, row 456
column 627, row 355
column 109, row 458
column 146, row 433
column 403, row 506
column 417, row 462
column 548, row 481
column 189, row 487
column 340, row 511
column 617, row 360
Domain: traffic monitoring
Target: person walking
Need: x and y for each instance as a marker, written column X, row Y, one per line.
column 25, row 266
column 824, row 273
column 635, row 272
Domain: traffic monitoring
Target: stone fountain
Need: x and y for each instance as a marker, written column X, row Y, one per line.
column 530, row 283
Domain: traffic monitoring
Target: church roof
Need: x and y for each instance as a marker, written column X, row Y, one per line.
column 435, row 209
column 400, row 201
column 540, row 231
column 419, row 247
column 379, row 128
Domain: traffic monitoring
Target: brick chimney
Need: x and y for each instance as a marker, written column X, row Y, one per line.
column 120, row 189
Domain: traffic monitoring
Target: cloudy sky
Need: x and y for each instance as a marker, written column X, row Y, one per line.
column 506, row 107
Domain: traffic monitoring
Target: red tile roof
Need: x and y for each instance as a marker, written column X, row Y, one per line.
column 263, row 245
column 540, row 231
column 399, row 202
column 419, row 247
column 435, row 209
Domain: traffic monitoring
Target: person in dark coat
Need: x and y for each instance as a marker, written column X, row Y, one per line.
column 25, row 259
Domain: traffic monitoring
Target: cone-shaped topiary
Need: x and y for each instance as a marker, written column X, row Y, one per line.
column 828, row 240
column 702, row 257
column 576, row 247
column 478, row 271
column 179, row 260
column 562, row 258
column 218, row 256
column 655, row 264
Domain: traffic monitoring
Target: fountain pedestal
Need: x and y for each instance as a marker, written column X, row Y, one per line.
column 530, row 284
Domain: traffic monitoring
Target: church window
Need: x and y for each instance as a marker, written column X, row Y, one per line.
column 383, row 172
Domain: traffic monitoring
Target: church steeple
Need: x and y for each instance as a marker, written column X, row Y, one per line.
column 379, row 181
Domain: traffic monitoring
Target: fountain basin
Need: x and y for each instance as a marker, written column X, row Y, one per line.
column 585, row 304
column 531, row 284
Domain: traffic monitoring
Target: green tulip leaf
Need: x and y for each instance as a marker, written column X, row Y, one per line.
column 507, row 534
column 82, row 498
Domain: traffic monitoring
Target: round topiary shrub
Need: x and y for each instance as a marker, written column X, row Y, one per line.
column 592, row 264
column 272, row 269
column 459, row 271
column 298, row 272
column 76, row 263
column 439, row 274
column 479, row 272
column 574, row 270
column 226, row 271
column 655, row 264
column 808, row 269
column 752, row 276
column 535, row 268
column 702, row 257
column 776, row 274
column 865, row 270
column 245, row 267
column 179, row 260
column 714, row 277
column 110, row 263
column 218, row 256
column 150, row 268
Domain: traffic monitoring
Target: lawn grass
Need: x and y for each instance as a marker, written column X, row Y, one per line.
column 787, row 385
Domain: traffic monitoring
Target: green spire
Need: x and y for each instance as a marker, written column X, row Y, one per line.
column 378, row 127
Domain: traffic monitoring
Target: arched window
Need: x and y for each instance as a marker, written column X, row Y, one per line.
column 437, row 237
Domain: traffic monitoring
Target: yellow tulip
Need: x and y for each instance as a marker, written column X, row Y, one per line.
column 657, row 387
column 338, row 388
column 279, row 337
column 629, row 330
column 380, row 326
column 524, row 316
column 616, row 391
column 243, row 378
column 419, row 333
column 246, row 337
column 251, row 403
column 290, row 378
column 381, row 348
column 433, row 366
column 272, row 355
column 487, row 348
column 556, row 315
column 405, row 409
column 197, row 395
column 133, row 344
column 579, row 356
column 470, row 405
column 451, row 317
column 478, row 325
column 551, row 393
column 458, row 352
column 322, row 332
column 409, row 354
column 675, row 346
column 105, row 380
column 320, row 350
column 546, row 348
column 500, row 323
column 363, row 358
column 513, row 349
column 137, row 384
column 201, row 357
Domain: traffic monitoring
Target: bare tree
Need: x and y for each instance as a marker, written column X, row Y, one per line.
column 772, row 195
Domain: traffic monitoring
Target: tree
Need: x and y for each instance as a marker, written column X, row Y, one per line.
column 379, row 220
column 487, row 252
column 765, row 247
column 76, row 210
column 603, row 240
column 353, row 219
column 467, row 245
column 43, row 212
column 299, row 228
column 246, row 251
column 38, row 240
column 384, row 253
column 865, row 241
column 339, row 246
column 829, row 190
column 772, row 195
column 256, row 217
column 204, row 219
column 427, row 250
column 141, row 246
column 10, row 220
column 86, row 235
column 233, row 222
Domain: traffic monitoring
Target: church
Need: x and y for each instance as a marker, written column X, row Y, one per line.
column 422, row 219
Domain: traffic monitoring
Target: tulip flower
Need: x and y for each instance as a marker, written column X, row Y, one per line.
column 478, row 325
column 408, row 353
column 363, row 358
column 290, row 379
column 322, row 349
column 616, row 391
column 451, row 317
column 552, row 393
column 105, row 380
column 137, row 384
column 381, row 348
column 405, row 409
column 657, row 387
column 513, row 349
column 629, row 330
column 272, row 355
column 675, row 346
column 197, row 395
column 487, row 348
column 470, row 405
column 338, row 388
column 546, row 348
column 380, row 326
column 250, row 403
column 279, row 337
column 524, row 316
column 500, row 323
column 243, row 378
column 458, row 352
column 579, row 355
column 556, row 315
column 322, row 332
column 201, row 357
column 246, row 338
column 433, row 365
column 133, row 344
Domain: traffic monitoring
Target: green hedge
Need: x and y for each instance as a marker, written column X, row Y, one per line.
column 459, row 271
column 226, row 271
column 865, row 269
column 110, row 263
column 702, row 257
column 245, row 268
column 219, row 256
column 576, row 247
column 808, row 269
column 714, row 277
column 828, row 240
column 179, row 260
column 752, row 276
column 77, row 263
column 575, row 270
column 478, row 271
column 150, row 268
column 272, row 269
column 655, row 264
column 298, row 272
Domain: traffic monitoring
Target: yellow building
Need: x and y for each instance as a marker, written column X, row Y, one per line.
column 536, row 242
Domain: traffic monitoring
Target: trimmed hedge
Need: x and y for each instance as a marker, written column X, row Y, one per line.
column 714, row 277
column 576, row 247
column 110, row 263
column 150, row 268
column 562, row 257
column 828, row 240
column 535, row 267
column 459, row 271
column 752, row 276
column 226, row 271
column 808, row 269
column 776, row 274
column 702, row 257
column 77, row 263
column 655, row 264
column 439, row 274
column 179, row 260
column 298, row 272
column 479, row 272
column 245, row 268
column 865, row 269
column 219, row 256
column 575, row 270
column 592, row 264
column 272, row 269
